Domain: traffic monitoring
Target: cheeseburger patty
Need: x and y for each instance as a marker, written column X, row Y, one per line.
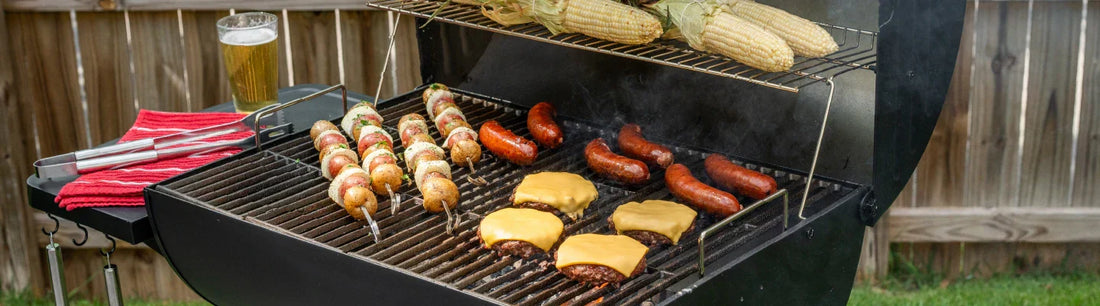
column 519, row 248
column 590, row 273
column 648, row 238
column 532, row 205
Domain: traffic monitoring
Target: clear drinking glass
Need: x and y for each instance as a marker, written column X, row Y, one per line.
column 251, row 58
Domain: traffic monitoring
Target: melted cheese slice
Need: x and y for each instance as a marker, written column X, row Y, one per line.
column 618, row 252
column 568, row 192
column 663, row 217
column 540, row 228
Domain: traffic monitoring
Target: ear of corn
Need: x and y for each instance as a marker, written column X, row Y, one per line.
column 610, row 20
column 803, row 36
column 604, row 19
column 747, row 43
column 706, row 26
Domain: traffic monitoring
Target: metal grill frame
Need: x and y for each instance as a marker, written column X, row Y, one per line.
column 293, row 164
column 857, row 47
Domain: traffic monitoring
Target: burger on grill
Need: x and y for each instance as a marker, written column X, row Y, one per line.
column 595, row 258
column 555, row 191
column 520, row 231
column 653, row 222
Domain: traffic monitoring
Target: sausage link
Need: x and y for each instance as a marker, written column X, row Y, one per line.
column 685, row 186
column 540, row 121
column 634, row 145
column 732, row 177
column 507, row 145
column 614, row 166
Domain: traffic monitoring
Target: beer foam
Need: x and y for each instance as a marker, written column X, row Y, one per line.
column 249, row 37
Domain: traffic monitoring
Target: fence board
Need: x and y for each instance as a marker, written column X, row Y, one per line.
column 313, row 44
column 142, row 275
column 158, row 61
column 1049, row 121
column 209, row 84
column 43, row 52
column 107, row 79
column 996, row 85
column 20, row 265
column 361, row 59
column 1087, row 176
column 974, row 224
column 941, row 171
column 407, row 66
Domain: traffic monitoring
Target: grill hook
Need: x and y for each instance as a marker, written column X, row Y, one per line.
column 85, row 230
column 107, row 254
column 56, row 227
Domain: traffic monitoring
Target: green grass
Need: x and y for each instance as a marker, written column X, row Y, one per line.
column 23, row 298
column 1035, row 289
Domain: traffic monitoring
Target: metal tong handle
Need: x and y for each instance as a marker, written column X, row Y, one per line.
column 148, row 144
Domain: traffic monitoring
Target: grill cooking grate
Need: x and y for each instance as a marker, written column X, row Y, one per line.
column 857, row 47
column 281, row 187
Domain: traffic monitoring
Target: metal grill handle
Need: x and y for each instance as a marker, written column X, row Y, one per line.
column 717, row 226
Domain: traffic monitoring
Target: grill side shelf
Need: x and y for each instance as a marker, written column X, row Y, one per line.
column 857, row 47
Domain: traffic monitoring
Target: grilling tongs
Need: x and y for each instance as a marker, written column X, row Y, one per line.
column 153, row 149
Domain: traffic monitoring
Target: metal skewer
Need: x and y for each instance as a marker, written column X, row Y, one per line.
column 395, row 200
column 373, row 225
column 450, row 217
column 386, row 64
column 474, row 179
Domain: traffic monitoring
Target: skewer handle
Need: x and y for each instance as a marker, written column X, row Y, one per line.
column 395, row 200
column 373, row 225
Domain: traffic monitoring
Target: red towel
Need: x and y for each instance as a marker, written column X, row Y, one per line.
column 123, row 187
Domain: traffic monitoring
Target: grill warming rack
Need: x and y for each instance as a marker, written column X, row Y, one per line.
column 280, row 189
column 857, row 47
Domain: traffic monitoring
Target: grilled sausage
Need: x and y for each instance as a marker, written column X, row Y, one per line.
column 540, row 121
column 732, row 177
column 634, row 145
column 685, row 186
column 321, row 126
column 436, row 190
column 507, row 145
column 614, row 166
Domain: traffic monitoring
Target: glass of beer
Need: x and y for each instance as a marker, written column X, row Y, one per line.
column 251, row 57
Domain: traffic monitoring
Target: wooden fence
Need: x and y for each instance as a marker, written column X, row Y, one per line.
column 1008, row 181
